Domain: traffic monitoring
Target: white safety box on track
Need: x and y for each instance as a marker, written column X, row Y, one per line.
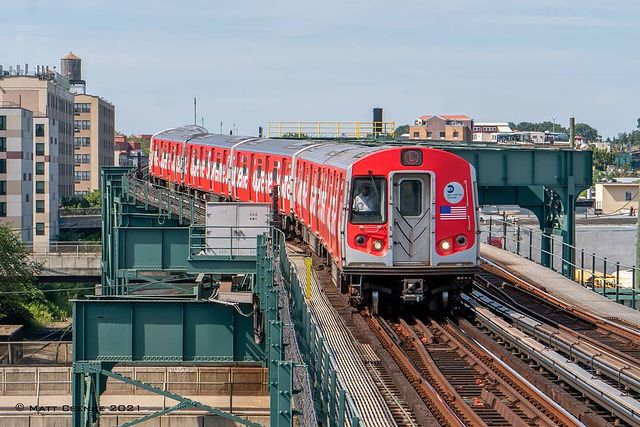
column 232, row 228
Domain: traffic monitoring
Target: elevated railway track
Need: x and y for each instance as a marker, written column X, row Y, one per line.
column 595, row 359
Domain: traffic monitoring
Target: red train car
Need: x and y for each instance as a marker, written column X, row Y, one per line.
column 394, row 222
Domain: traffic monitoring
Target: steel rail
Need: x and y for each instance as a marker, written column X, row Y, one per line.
column 619, row 404
column 585, row 330
column 440, row 408
column 606, row 324
column 624, row 372
column 520, row 392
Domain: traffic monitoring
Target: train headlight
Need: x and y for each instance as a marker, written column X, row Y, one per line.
column 361, row 240
column 445, row 245
column 461, row 240
column 378, row 245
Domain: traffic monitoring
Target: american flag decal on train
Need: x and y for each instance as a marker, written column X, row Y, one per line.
column 453, row 212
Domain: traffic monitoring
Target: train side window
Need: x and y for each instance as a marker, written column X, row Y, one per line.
column 368, row 200
column 411, row 197
column 275, row 171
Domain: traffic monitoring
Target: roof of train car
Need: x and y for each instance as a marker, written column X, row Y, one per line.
column 340, row 155
column 181, row 134
column 336, row 154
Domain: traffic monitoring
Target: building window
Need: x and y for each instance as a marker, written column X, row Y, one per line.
column 39, row 206
column 86, row 108
column 77, row 141
column 429, row 134
column 3, row 144
column 442, row 135
column 39, row 228
column 3, row 188
column 39, row 149
column 39, row 168
column 3, row 166
column 416, row 134
column 78, row 175
column 86, row 125
column 39, row 129
column 86, row 175
column 3, row 122
column 39, row 187
column 86, row 158
column 455, row 134
column 86, row 141
column 627, row 195
column 77, row 124
column 3, row 209
column 76, row 159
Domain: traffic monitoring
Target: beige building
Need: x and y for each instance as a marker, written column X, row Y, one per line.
column 94, row 132
column 617, row 197
column 47, row 95
column 442, row 128
column 486, row 132
column 16, row 169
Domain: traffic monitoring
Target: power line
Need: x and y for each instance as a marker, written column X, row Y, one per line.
column 45, row 290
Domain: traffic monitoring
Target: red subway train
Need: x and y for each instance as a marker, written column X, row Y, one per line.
column 392, row 222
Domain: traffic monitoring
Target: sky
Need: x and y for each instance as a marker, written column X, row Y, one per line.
column 251, row 62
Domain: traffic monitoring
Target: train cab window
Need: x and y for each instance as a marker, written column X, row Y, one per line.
column 368, row 200
column 411, row 197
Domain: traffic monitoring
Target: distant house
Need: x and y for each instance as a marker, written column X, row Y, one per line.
column 617, row 197
column 442, row 128
column 486, row 132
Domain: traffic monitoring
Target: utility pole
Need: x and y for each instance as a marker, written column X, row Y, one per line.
column 572, row 132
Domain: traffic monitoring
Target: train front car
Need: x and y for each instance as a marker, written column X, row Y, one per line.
column 411, row 227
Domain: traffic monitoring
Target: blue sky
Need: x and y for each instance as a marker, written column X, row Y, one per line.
column 250, row 62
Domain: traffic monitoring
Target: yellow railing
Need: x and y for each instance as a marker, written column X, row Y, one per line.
column 348, row 130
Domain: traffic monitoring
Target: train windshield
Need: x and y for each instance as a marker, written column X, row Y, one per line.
column 368, row 200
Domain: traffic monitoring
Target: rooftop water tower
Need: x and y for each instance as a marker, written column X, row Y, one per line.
column 71, row 68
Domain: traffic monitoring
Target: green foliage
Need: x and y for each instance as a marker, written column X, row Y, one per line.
column 91, row 200
column 603, row 158
column 587, row 132
column 627, row 139
column 94, row 199
column 16, row 278
column 58, row 301
column 43, row 312
column 400, row 130
column 539, row 127
column 78, row 236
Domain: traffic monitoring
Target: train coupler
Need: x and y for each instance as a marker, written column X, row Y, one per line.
column 412, row 290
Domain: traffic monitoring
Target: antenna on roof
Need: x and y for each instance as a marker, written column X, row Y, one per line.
column 195, row 112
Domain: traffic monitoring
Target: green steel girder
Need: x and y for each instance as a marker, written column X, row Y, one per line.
column 175, row 331
column 505, row 166
column 91, row 373
column 546, row 181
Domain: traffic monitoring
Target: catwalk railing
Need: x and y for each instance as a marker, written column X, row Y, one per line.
column 607, row 277
column 333, row 405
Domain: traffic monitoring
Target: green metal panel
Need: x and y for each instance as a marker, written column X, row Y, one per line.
column 519, row 166
column 154, row 248
column 163, row 331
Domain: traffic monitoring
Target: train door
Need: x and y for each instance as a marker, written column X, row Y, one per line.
column 411, row 216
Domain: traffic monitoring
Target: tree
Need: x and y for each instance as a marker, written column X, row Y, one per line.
column 638, row 125
column 401, row 130
column 94, row 199
column 603, row 158
column 540, row 127
column 587, row 132
column 17, row 272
